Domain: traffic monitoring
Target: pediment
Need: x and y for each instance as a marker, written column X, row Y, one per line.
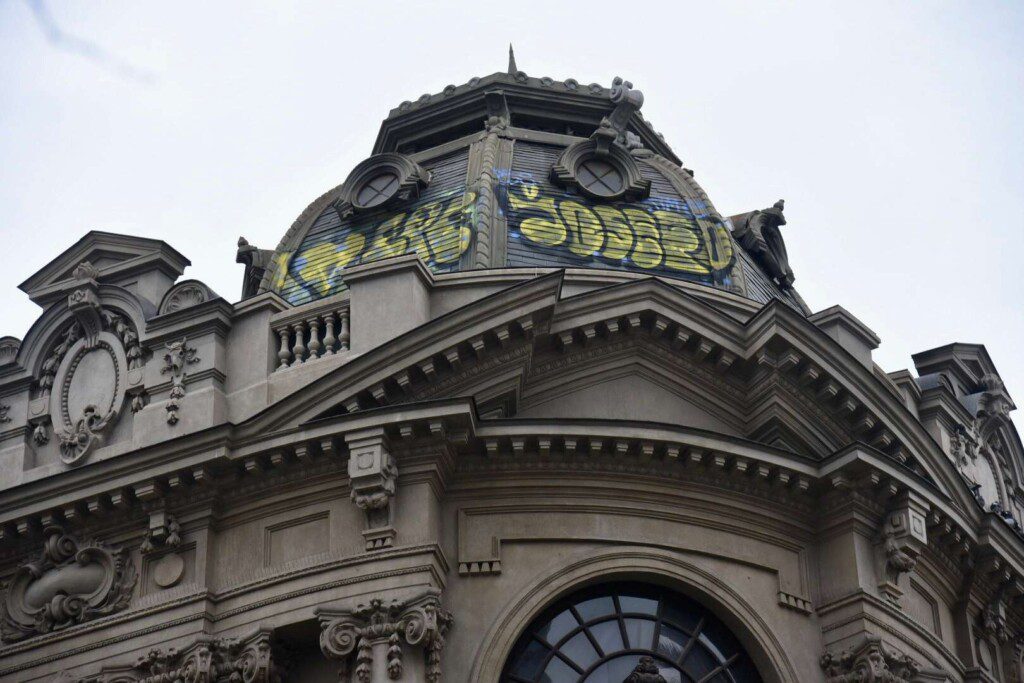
column 774, row 378
column 114, row 258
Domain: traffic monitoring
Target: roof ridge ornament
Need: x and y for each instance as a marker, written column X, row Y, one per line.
column 512, row 68
column 615, row 126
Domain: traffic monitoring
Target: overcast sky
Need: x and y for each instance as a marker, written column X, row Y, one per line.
column 895, row 132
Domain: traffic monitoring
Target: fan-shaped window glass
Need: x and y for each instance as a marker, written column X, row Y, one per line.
column 606, row 633
column 377, row 190
column 599, row 177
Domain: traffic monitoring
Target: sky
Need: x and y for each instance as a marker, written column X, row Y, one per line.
column 892, row 130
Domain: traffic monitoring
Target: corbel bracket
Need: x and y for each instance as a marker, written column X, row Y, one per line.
column 373, row 478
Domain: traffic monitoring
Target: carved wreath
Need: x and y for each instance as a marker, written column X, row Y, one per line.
column 70, row 584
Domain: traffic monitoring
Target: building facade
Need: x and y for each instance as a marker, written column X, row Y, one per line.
column 514, row 402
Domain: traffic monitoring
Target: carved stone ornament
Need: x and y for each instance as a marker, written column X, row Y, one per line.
column 602, row 167
column 758, row 232
column 256, row 262
column 208, row 660
column 178, row 355
column 380, row 181
column 869, row 662
column 418, row 622
column 975, row 446
column 373, row 477
column 71, row 583
column 646, row 671
column 4, row 409
column 9, row 347
column 95, row 363
column 903, row 536
column 185, row 295
column 992, row 620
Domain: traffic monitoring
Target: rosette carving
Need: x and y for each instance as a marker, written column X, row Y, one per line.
column 418, row 622
column 71, row 583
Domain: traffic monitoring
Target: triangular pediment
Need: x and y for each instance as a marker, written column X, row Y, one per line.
column 114, row 257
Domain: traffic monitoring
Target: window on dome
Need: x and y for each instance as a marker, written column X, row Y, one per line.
column 377, row 190
column 600, row 177
column 607, row 633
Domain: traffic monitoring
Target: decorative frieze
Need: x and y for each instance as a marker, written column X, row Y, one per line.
column 869, row 662
column 350, row 636
column 69, row 584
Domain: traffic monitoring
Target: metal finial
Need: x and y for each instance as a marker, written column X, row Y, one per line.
column 512, row 68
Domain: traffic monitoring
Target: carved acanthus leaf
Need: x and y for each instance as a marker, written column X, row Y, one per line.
column 869, row 662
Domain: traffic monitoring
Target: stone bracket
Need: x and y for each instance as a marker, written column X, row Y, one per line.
column 373, row 478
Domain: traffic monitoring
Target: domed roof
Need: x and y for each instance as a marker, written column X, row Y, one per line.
column 511, row 171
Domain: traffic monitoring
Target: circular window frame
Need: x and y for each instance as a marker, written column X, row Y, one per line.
column 411, row 179
column 566, row 172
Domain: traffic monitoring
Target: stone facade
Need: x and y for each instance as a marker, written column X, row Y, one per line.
column 514, row 402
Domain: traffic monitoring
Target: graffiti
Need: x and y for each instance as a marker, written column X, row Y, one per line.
column 438, row 230
column 654, row 234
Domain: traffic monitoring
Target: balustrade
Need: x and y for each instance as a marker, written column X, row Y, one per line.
column 307, row 335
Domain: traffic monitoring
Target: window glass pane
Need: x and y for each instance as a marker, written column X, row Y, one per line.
column 557, row 627
column 608, row 636
column 699, row 663
column 641, row 605
column 579, row 650
column 559, row 672
column 614, row 671
column 640, row 633
column 682, row 614
column 719, row 639
column 671, row 642
column 529, row 662
column 595, row 607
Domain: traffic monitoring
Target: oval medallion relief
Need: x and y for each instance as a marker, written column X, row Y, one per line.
column 93, row 381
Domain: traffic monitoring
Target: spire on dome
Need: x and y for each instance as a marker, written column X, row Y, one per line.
column 512, row 68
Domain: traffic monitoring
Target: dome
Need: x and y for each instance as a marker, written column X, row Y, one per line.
column 511, row 171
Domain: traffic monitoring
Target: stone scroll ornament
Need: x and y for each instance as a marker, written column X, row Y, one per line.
column 349, row 636
column 869, row 662
column 70, row 584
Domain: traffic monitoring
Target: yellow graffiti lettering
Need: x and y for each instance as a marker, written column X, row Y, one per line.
column 542, row 224
column 448, row 236
column 388, row 240
column 680, row 241
column 719, row 246
column 618, row 236
column 415, row 228
column 324, row 260
column 587, row 234
column 647, row 253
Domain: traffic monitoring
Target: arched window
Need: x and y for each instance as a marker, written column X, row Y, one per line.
column 607, row 633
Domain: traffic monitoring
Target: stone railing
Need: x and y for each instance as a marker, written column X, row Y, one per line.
column 312, row 331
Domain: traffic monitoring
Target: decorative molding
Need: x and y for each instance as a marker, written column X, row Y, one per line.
column 85, row 435
column 4, row 409
column 164, row 532
column 253, row 659
column 185, row 295
column 71, row 583
column 565, row 172
column 417, row 622
column 179, row 354
column 9, row 347
column 869, row 662
column 409, row 176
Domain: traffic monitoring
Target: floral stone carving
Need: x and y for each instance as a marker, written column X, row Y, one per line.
column 869, row 662
column 179, row 354
column 71, row 583
column 417, row 622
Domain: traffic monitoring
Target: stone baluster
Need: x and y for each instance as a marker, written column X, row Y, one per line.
column 284, row 355
column 314, row 338
column 343, row 336
column 300, row 347
column 329, row 339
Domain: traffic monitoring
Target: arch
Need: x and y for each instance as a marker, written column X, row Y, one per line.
column 652, row 565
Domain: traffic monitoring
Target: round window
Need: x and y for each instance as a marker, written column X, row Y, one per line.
column 599, row 177
column 608, row 633
column 377, row 190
